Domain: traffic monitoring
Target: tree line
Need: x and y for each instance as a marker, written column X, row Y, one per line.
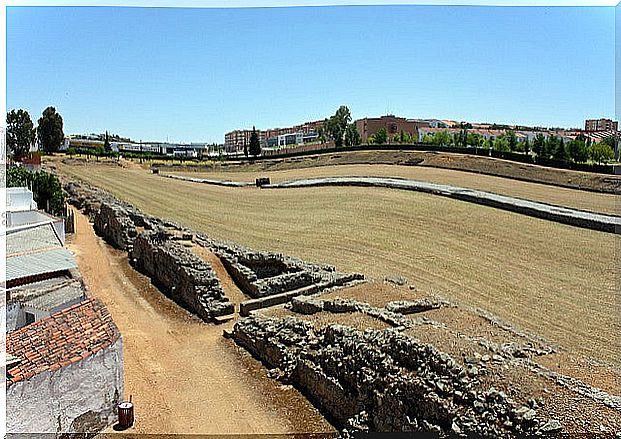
column 545, row 148
column 21, row 132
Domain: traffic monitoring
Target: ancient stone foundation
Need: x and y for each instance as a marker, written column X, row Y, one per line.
column 381, row 380
column 181, row 275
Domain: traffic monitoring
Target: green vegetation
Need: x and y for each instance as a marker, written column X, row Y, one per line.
column 379, row 138
column 46, row 188
column 601, row 153
column 335, row 127
column 20, row 133
column 50, row 130
column 255, row 145
column 352, row 136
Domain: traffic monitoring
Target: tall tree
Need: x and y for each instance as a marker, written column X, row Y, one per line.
column 527, row 146
column 578, row 151
column 245, row 149
column 20, row 132
column 50, row 130
column 539, row 144
column 336, row 125
column 107, row 146
column 352, row 137
column 560, row 152
column 255, row 145
column 512, row 139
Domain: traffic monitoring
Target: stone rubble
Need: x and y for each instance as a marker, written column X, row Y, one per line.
column 382, row 380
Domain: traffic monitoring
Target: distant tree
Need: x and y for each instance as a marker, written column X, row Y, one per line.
column 474, row 139
column 539, row 145
column 352, row 137
column 336, row 125
column 71, row 151
column 107, row 146
column 560, row 152
column 610, row 141
column 442, row 138
column 601, row 152
column 20, row 133
column 381, row 136
column 551, row 147
column 405, row 137
column 245, row 149
column 512, row 140
column 100, row 151
column 501, row 144
column 526, row 146
column 50, row 130
column 255, row 145
column 578, row 151
column 371, row 139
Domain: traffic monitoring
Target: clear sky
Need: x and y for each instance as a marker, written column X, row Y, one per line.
column 194, row 74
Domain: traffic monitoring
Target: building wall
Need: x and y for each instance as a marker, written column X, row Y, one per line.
column 80, row 397
column 600, row 125
column 393, row 126
column 15, row 317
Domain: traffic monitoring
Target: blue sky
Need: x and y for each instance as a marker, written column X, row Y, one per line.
column 194, row 74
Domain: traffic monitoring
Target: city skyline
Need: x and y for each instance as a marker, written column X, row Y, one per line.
column 194, row 74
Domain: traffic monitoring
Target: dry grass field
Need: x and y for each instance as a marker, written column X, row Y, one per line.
column 551, row 279
column 592, row 201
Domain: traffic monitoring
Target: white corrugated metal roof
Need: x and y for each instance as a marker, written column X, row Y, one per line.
column 31, row 238
column 32, row 264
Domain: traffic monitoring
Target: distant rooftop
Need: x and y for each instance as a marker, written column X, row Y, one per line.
column 65, row 337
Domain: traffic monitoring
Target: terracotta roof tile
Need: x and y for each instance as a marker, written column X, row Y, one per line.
column 63, row 338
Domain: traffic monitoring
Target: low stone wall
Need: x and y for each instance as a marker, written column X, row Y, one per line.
column 181, row 275
column 264, row 274
column 579, row 218
column 381, row 380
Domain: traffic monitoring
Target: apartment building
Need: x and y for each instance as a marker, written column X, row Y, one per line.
column 601, row 125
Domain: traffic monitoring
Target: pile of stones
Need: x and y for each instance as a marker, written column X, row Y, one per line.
column 383, row 380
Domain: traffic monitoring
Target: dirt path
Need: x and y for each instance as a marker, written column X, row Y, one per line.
column 183, row 375
column 231, row 290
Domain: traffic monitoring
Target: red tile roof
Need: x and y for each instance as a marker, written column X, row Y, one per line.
column 63, row 338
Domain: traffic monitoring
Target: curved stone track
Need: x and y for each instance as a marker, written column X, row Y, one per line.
column 183, row 375
column 580, row 218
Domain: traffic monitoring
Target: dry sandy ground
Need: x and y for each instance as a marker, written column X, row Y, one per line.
column 551, row 279
column 585, row 200
column 183, row 375
column 478, row 164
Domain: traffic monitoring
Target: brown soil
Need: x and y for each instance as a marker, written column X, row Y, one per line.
column 550, row 279
column 577, row 199
column 183, row 375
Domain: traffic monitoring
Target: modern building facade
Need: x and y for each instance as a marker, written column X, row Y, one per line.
column 601, row 125
column 234, row 141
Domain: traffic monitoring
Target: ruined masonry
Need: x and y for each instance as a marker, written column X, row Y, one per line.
column 160, row 249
